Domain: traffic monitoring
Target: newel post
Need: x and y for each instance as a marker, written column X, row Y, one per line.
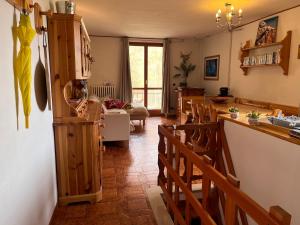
column 280, row 215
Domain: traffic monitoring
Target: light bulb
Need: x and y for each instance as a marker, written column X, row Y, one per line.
column 240, row 12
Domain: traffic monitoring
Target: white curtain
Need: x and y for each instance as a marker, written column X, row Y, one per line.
column 125, row 86
column 165, row 108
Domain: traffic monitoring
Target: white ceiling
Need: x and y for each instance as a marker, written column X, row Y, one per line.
column 167, row 18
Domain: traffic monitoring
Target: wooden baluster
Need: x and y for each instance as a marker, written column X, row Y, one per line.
column 206, row 185
column 230, row 206
column 280, row 215
column 169, row 178
column 220, row 166
column 161, row 150
column 189, row 170
column 177, row 169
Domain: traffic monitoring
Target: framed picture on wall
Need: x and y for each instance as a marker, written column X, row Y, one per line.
column 266, row 32
column 211, row 67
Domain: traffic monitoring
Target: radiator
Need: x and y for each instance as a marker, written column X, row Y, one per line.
column 102, row 91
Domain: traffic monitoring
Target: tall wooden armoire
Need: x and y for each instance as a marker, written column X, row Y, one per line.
column 77, row 122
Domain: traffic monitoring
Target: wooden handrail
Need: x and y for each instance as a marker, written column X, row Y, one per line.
column 229, row 185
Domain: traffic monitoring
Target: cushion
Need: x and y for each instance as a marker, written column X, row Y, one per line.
column 94, row 98
column 139, row 111
column 114, row 104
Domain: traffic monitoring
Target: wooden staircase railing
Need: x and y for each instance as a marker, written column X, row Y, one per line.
column 171, row 150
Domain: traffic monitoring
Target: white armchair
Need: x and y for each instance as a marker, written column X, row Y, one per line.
column 117, row 125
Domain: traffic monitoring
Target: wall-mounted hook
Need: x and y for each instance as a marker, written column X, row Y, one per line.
column 38, row 19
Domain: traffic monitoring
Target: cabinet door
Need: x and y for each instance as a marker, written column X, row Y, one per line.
column 77, row 52
column 86, row 58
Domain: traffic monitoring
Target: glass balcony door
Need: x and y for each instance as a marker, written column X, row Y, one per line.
column 146, row 61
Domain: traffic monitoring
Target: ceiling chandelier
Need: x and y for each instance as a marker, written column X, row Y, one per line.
column 233, row 19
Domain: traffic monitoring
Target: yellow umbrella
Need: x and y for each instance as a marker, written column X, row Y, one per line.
column 25, row 33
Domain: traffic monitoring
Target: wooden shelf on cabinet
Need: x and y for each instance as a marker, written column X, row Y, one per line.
column 284, row 54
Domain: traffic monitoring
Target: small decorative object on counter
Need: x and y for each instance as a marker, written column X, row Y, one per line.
column 70, row 7
column 65, row 7
column 253, row 117
column 234, row 112
column 224, row 91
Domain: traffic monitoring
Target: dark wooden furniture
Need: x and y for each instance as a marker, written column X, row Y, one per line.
column 183, row 92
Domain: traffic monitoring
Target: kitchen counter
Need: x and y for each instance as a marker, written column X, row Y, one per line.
column 264, row 125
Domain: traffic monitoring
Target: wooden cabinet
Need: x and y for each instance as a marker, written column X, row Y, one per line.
column 70, row 56
column 86, row 58
column 77, row 123
column 78, row 162
column 78, row 147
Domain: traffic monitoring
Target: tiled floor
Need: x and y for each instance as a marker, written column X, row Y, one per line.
column 126, row 176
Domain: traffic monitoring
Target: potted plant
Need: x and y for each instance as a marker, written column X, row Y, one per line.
column 234, row 112
column 184, row 69
column 253, row 117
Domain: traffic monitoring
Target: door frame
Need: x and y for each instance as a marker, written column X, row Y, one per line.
column 153, row 112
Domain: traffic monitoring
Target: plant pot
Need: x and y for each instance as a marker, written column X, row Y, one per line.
column 234, row 115
column 253, row 121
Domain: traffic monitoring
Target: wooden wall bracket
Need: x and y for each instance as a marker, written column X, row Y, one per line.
column 21, row 5
column 38, row 17
column 28, row 6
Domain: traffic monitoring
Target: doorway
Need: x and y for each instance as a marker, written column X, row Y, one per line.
column 146, row 65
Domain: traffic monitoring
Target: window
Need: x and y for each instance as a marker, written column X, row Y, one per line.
column 146, row 61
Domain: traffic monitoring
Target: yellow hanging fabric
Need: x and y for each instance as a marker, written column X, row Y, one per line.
column 25, row 34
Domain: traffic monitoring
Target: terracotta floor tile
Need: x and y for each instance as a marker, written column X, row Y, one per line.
column 137, row 204
column 110, row 194
column 143, row 220
column 109, row 182
column 108, row 172
column 76, row 211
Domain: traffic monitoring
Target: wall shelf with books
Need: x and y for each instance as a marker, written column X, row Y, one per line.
column 278, row 57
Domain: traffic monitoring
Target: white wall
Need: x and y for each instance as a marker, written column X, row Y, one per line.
column 27, row 165
column 185, row 46
column 267, row 167
column 216, row 45
column 265, row 83
column 107, row 52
